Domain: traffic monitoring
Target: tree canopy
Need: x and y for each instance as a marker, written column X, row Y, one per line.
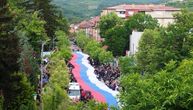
column 107, row 22
column 162, row 69
column 158, row 47
column 116, row 40
column 141, row 21
column 164, row 90
column 116, row 32
column 22, row 30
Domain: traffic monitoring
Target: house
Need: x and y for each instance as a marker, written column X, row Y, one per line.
column 164, row 14
column 90, row 27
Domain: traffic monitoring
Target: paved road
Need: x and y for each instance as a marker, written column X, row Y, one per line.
column 84, row 73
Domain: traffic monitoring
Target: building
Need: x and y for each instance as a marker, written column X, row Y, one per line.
column 164, row 14
column 134, row 42
column 175, row 0
column 90, row 27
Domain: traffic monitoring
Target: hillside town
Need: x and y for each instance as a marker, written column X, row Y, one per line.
column 128, row 56
column 163, row 14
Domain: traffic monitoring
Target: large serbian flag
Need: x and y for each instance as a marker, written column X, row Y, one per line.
column 84, row 74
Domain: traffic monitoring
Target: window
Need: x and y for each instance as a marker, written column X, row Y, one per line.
column 74, row 93
column 122, row 12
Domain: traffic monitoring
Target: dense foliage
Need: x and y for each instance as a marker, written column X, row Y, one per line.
column 127, row 65
column 91, row 105
column 116, row 32
column 172, row 43
column 159, row 77
column 52, row 17
column 22, row 31
column 19, row 93
column 63, row 45
column 108, row 22
column 16, row 90
column 55, row 96
column 165, row 90
column 141, row 21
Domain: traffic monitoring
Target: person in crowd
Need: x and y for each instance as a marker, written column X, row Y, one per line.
column 106, row 73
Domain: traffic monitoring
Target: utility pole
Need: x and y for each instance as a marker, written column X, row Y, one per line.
column 41, row 76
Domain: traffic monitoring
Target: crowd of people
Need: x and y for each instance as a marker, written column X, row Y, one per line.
column 106, row 73
column 70, row 67
column 46, row 75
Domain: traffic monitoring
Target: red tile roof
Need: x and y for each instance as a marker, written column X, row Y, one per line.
column 89, row 23
column 95, row 19
column 85, row 24
column 150, row 7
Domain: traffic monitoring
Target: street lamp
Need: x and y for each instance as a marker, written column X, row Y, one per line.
column 41, row 75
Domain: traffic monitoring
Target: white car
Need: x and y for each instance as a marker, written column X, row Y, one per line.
column 74, row 91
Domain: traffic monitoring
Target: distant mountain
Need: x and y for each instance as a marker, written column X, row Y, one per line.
column 76, row 10
column 187, row 4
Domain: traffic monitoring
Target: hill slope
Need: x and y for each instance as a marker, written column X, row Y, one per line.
column 76, row 10
column 187, row 4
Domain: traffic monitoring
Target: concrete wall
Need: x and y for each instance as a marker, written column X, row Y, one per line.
column 134, row 42
column 164, row 17
column 107, row 11
column 165, row 22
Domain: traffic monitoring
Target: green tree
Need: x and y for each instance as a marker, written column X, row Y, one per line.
column 149, row 53
column 167, row 53
column 107, row 22
column 55, row 95
column 181, row 33
column 116, row 40
column 164, row 90
column 82, row 40
column 93, row 48
column 105, row 57
column 9, row 50
column 28, row 64
column 52, row 17
column 90, row 105
column 62, row 38
column 158, row 47
column 128, row 65
column 19, row 92
column 33, row 28
column 141, row 21
column 63, row 45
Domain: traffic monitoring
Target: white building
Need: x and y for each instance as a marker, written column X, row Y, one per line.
column 134, row 42
column 164, row 14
